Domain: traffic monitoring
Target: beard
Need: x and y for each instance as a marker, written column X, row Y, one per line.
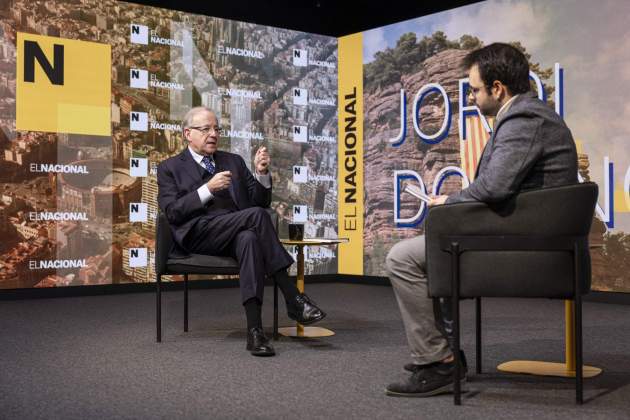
column 490, row 108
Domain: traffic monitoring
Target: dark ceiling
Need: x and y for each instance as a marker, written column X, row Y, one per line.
column 327, row 17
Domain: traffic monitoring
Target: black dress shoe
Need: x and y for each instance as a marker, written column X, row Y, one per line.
column 413, row 367
column 258, row 344
column 303, row 310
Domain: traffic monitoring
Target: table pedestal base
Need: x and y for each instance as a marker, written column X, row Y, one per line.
column 546, row 369
column 308, row 332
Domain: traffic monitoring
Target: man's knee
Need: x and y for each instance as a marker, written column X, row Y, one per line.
column 404, row 254
column 259, row 214
column 396, row 255
column 246, row 238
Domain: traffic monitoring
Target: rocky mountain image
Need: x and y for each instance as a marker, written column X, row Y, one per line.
column 381, row 159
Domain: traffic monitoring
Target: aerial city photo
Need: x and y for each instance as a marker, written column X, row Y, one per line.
column 80, row 209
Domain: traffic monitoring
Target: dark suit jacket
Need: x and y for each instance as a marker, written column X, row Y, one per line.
column 179, row 178
column 530, row 147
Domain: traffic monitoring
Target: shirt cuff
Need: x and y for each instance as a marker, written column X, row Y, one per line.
column 265, row 179
column 204, row 194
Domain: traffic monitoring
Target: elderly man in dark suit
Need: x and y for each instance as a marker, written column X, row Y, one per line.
column 214, row 206
column 530, row 147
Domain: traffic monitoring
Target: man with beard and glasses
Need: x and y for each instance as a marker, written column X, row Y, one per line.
column 530, row 147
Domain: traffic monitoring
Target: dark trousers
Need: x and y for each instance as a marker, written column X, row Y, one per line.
column 249, row 237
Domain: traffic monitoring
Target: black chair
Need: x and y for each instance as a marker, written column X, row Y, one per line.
column 534, row 246
column 194, row 264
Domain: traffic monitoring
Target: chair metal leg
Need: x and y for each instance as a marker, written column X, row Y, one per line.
column 185, row 302
column 579, row 395
column 275, row 311
column 478, row 334
column 158, row 308
column 455, row 302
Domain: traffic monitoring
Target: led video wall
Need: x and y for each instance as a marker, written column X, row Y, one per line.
column 92, row 94
column 418, row 126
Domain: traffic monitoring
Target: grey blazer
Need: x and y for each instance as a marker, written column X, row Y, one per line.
column 530, row 147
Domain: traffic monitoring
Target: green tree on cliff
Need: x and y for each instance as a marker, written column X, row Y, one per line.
column 409, row 54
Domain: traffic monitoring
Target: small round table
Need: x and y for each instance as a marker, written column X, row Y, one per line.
column 300, row 331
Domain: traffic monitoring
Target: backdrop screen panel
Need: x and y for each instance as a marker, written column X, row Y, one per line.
column 413, row 67
column 92, row 94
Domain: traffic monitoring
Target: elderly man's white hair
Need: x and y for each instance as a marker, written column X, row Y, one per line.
column 187, row 121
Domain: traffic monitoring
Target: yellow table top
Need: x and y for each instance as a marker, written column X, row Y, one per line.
column 315, row 241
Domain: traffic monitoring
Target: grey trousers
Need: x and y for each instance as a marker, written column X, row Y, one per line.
column 406, row 266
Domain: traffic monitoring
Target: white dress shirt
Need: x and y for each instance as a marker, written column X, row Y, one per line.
column 505, row 107
column 204, row 192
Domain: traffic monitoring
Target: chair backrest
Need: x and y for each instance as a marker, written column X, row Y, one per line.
column 565, row 211
column 163, row 243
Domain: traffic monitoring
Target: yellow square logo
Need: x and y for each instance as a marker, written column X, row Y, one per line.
column 63, row 85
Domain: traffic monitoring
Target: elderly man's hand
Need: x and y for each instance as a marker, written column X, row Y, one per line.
column 219, row 181
column 262, row 161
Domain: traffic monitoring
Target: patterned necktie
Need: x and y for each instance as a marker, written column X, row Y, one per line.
column 208, row 164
